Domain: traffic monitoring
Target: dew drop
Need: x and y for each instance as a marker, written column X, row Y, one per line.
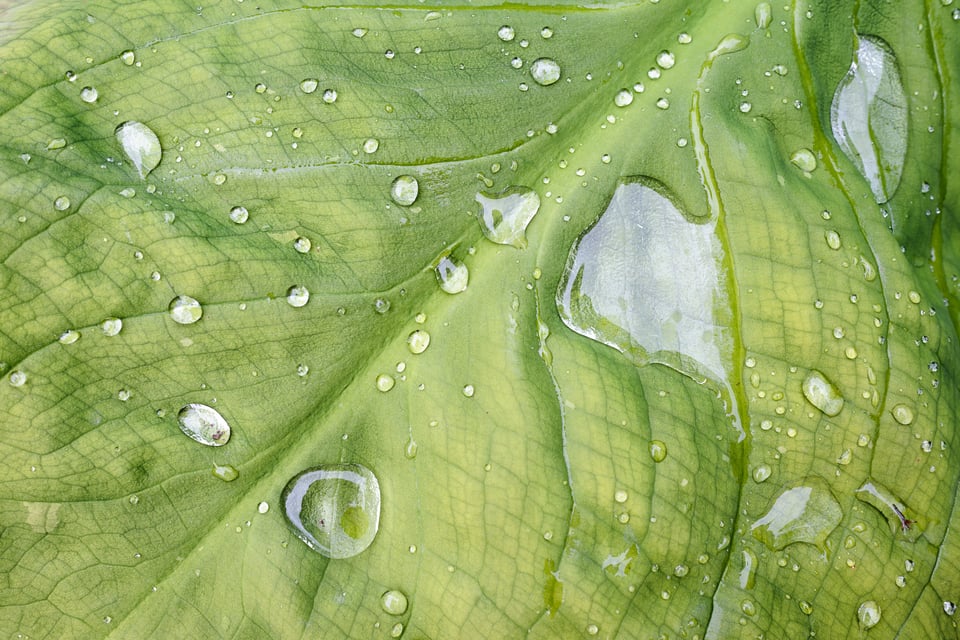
column 302, row 245
column 623, row 98
column 17, row 378
column 404, row 190
column 330, row 96
column 452, row 275
column 902, row 414
column 69, row 336
column 663, row 103
column 418, row 341
column 185, row 310
column 239, row 214
column 309, row 85
column 89, row 95
column 822, row 393
column 763, row 15
column 141, row 145
column 949, row 607
column 833, row 239
column 868, row 614
column 111, row 326
column 504, row 217
column 545, row 71
column 298, row 295
column 334, row 509
column 385, row 382
column 128, row 57
column 658, row 450
column 204, row 424
column 370, row 145
column 761, row 473
column 745, row 107
column 666, row 60
column 225, row 472
column 62, row 203
column 394, row 602
column 506, row 33
column 804, row 160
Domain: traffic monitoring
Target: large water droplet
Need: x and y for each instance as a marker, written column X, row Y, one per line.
column 647, row 282
column 898, row 515
column 418, row 341
column 869, row 116
column 204, row 424
column 111, row 326
column 545, row 71
column 452, row 275
column 141, row 145
column 806, row 513
column 89, row 94
column 309, row 85
column 868, row 614
column 334, row 509
column 17, row 378
column 822, row 393
column 763, row 14
column 658, row 450
column 394, row 602
column 902, row 414
column 504, row 217
column 239, row 214
column 298, row 295
column 404, row 190
column 185, row 310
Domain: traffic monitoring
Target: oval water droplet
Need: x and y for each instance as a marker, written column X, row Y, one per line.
column 128, row 57
column 807, row 513
column 404, row 190
column 204, row 424
column 111, row 326
column 804, row 160
column 833, row 239
column 385, row 382
column 658, row 450
column 452, row 275
column 309, row 85
column 545, row 71
column 418, row 341
column 298, row 295
column 822, row 393
column 761, row 473
column 225, row 472
column 239, row 215
column 89, row 94
column 330, row 96
column 748, row 573
column 62, row 203
column 902, row 414
column 504, row 217
column 763, row 14
column 394, row 602
column 185, row 310
column 623, row 98
column 141, row 145
column 868, row 116
column 69, row 336
column 506, row 33
column 17, row 378
column 868, row 614
column 334, row 509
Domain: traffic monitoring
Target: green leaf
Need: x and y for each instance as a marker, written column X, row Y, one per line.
column 543, row 320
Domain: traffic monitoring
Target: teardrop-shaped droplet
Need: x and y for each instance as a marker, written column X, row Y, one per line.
column 404, row 190
column 869, row 116
column 204, row 424
column 822, row 393
column 504, row 217
column 141, row 145
column 334, row 509
column 452, row 275
column 806, row 513
column 185, row 310
column 545, row 71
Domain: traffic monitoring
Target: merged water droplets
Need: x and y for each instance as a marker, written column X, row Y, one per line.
column 204, row 424
column 504, row 217
column 334, row 509
column 807, row 513
column 868, row 116
column 141, row 145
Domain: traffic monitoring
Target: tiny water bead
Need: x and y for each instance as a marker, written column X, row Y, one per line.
column 334, row 509
column 298, row 295
column 822, row 393
column 452, row 275
column 141, row 145
column 504, row 217
column 394, row 602
column 185, row 310
column 225, row 472
column 404, row 190
column 545, row 71
column 111, row 326
column 204, row 424
column 309, row 85
column 418, row 341
column 89, row 94
column 239, row 215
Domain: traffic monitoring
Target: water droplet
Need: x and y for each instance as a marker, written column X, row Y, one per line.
column 385, row 382
column 805, row 607
column 17, row 378
column 761, row 473
column 868, row 614
column 868, row 116
column 297, row 295
column 506, row 33
column 69, row 336
column 763, row 15
column 204, row 424
column 666, row 60
column 663, row 103
column 545, row 71
column 239, row 214
column 62, row 203
column 949, row 607
column 833, row 239
column 329, row 96
column 89, row 94
column 404, row 190
column 804, row 160
column 902, row 414
column 359, row 32
column 468, row 390
column 56, row 143
column 370, row 145
column 309, row 85
column 745, row 107
column 418, row 341
column 410, row 449
column 748, row 607
column 806, row 513
column 658, row 450
column 128, row 58
column 381, row 305
column 892, row 508
column 748, row 574
column 302, row 245
column 334, row 509
column 452, row 275
column 111, row 326
column 593, row 629
column 394, row 602
column 623, row 98
column 504, row 217
column 822, row 394
column 141, row 145
column 185, row 310
column 397, row 630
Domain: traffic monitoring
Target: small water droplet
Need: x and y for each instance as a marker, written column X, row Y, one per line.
column 805, row 607
column 329, row 96
column 185, row 310
column 111, row 326
column 359, row 32
column 761, row 473
column 381, row 305
column 62, row 203
column 128, row 58
column 902, row 414
column 309, row 85
column 804, row 160
column 297, row 295
column 822, row 393
column 658, row 450
column 418, row 341
column 748, row 607
column 69, row 336
column 663, row 103
column 370, row 145
column 949, row 607
column 868, row 614
column 545, row 71
column 385, row 382
column 404, row 190
column 593, row 629
column 17, row 378
column 504, row 217
column 468, row 390
column 239, row 214
column 546, row 33
column 394, row 602
column 833, row 239
column 666, row 60
column 334, row 509
column 56, row 143
column 452, row 275
column 623, row 98
column 89, row 95
column 260, row 87
column 410, row 449
column 204, row 424
column 745, row 107
column 302, row 245
column 141, row 145
column 506, row 33
column 397, row 630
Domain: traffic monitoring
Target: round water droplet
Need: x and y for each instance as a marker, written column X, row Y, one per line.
column 330, row 96
column 239, row 214
column 666, row 60
column 468, row 390
column 452, row 275
column 297, row 295
column 111, row 326
column 302, row 245
column 822, row 394
column 663, row 103
column 128, row 58
column 623, row 98
column 658, row 450
column 62, row 203
column 418, row 341
column 69, row 336
column 309, row 85
column 385, row 382
column 868, row 614
column 902, row 414
column 546, row 33
column 381, row 305
column 141, row 145
column 506, row 33
column 761, row 473
column 334, row 509
column 620, row 496
column 545, row 71
column 804, row 160
column 89, row 94
column 185, row 310
column 17, row 378
column 394, row 602
column 204, row 424
column 370, row 145
column 404, row 190
column 745, row 107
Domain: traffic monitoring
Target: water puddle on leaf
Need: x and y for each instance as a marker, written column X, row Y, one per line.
column 806, row 513
column 869, row 116
column 334, row 509
column 647, row 282
column 903, row 522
